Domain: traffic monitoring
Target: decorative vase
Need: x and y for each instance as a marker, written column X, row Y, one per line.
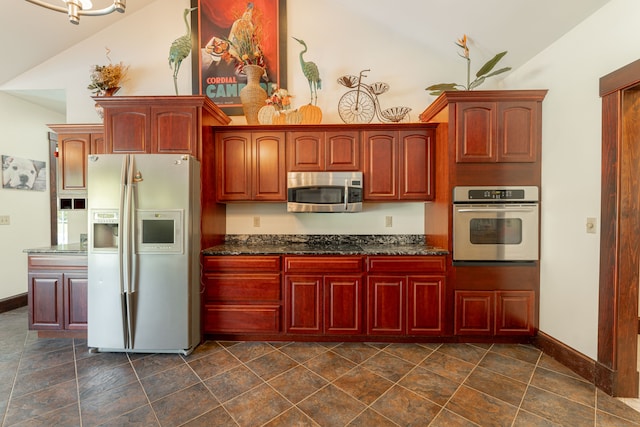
column 252, row 95
column 106, row 92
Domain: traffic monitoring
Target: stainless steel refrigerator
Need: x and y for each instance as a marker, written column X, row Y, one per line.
column 143, row 253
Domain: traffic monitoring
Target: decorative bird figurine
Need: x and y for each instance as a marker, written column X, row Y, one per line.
column 180, row 49
column 310, row 71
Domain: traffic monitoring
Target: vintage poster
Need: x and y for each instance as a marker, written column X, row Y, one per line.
column 219, row 70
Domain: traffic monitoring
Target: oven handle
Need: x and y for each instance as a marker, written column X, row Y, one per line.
column 504, row 209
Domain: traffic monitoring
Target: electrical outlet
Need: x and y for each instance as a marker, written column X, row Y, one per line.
column 256, row 221
column 5, row 220
column 591, row 225
column 388, row 221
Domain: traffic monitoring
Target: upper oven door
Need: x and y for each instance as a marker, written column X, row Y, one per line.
column 495, row 232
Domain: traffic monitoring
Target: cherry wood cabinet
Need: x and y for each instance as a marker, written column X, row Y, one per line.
column 317, row 150
column 323, row 294
column 57, row 292
column 158, row 124
column 490, row 313
column 75, row 143
column 398, row 164
column 250, row 166
column 242, row 294
column 406, row 295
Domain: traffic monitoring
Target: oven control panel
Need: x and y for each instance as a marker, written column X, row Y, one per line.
column 496, row 194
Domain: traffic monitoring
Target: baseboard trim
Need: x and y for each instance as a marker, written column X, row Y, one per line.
column 11, row 303
column 569, row 357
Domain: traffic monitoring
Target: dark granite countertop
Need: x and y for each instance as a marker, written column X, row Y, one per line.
column 323, row 245
column 66, row 249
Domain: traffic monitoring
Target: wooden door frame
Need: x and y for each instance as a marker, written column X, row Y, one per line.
column 616, row 371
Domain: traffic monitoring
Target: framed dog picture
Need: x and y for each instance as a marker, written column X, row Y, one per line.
column 221, row 27
column 23, row 174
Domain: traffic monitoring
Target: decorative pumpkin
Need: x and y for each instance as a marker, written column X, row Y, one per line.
column 311, row 114
column 266, row 114
column 279, row 118
column 294, row 117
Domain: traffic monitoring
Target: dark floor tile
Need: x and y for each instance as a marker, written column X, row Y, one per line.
column 607, row 420
column 96, row 362
column 363, row 384
column 371, row 418
column 35, row 360
column 388, row 366
column 154, row 363
column 185, row 405
column 232, row 383
column 508, row 366
column 447, row 418
column 41, row 345
column 430, row 385
column 613, row 406
column 527, row 419
column 169, row 381
column 100, row 379
column 37, row 380
column 41, row 402
column 204, row 349
column 552, row 364
column 355, row 351
column 330, row 365
column 331, row 407
column 406, row 408
column 297, row 384
column 303, row 351
column 413, row 353
column 246, row 351
column 524, row 352
column 467, row 352
column 213, row 364
column 217, row 417
column 496, row 385
column 257, row 406
column 556, row 408
column 112, row 403
column 481, row 408
column 68, row 416
column 568, row 387
column 271, row 365
column 140, row 417
column 447, row 366
column 292, row 418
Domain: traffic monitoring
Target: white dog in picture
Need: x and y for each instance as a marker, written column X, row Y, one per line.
column 19, row 173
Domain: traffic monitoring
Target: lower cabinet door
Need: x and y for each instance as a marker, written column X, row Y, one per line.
column 425, row 307
column 473, row 313
column 46, row 301
column 303, row 299
column 75, row 301
column 241, row 318
column 385, row 305
column 515, row 313
column 342, row 306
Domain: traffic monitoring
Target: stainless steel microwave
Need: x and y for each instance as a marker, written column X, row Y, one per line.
column 324, row 192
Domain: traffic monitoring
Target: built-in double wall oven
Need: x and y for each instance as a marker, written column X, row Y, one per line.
column 495, row 224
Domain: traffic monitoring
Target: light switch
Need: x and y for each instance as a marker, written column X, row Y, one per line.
column 5, row 220
column 388, row 221
column 591, row 225
column 256, row 221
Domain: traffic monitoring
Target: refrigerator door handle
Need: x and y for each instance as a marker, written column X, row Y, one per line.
column 121, row 252
column 128, row 236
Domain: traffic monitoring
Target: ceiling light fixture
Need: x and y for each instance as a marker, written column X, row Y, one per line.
column 76, row 8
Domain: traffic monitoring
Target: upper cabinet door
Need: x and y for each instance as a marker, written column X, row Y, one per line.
column 73, row 151
column 476, row 132
column 416, row 165
column 305, row 151
column 233, row 164
column 342, row 151
column 518, row 131
column 269, row 174
column 127, row 129
column 380, row 165
column 174, row 129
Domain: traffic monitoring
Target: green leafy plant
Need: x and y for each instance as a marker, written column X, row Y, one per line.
column 483, row 73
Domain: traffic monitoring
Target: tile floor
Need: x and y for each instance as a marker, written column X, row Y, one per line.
column 57, row 382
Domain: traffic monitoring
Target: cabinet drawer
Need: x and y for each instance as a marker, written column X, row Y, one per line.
column 236, row 263
column 406, row 264
column 220, row 318
column 322, row 264
column 242, row 287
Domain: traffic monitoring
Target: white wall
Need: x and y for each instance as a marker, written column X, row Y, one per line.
column 24, row 134
column 571, row 157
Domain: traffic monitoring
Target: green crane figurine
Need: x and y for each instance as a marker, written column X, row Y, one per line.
column 180, row 49
column 310, row 71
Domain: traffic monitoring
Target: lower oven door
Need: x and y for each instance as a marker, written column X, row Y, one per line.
column 495, row 232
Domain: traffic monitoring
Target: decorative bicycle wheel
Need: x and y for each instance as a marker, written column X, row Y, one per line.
column 356, row 107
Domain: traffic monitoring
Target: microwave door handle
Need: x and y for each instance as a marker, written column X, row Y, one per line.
column 346, row 194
